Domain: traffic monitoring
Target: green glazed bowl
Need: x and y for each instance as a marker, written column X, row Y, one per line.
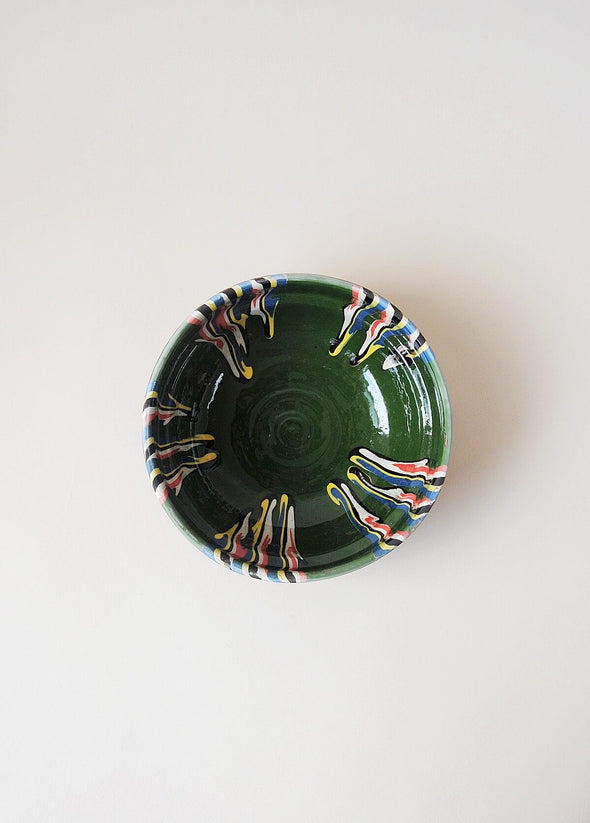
column 297, row 427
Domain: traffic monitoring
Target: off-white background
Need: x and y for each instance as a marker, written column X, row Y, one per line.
column 153, row 153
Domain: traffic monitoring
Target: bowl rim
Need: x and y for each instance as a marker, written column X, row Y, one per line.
column 249, row 569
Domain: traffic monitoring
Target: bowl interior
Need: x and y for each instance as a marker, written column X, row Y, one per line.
column 297, row 427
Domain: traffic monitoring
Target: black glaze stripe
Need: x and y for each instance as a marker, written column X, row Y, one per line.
column 206, row 311
column 397, row 316
column 253, row 571
column 150, row 451
column 266, row 284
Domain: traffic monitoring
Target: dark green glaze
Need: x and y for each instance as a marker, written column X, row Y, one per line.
column 290, row 428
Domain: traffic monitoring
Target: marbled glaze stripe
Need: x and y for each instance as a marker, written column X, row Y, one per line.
column 386, row 322
column 394, row 497
column 418, row 473
column 169, row 462
column 154, row 408
column 399, row 476
column 378, row 533
column 222, row 320
column 261, row 547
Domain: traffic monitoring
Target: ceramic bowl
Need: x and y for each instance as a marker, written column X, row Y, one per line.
column 297, row 427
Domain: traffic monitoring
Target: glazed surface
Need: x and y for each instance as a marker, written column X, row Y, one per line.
column 297, row 427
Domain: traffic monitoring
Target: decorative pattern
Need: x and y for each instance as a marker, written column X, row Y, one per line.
column 169, row 462
column 399, row 477
column 394, row 497
column 222, row 320
column 387, row 322
column 155, row 409
column 368, row 524
column 409, row 474
column 258, row 453
column 261, row 549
